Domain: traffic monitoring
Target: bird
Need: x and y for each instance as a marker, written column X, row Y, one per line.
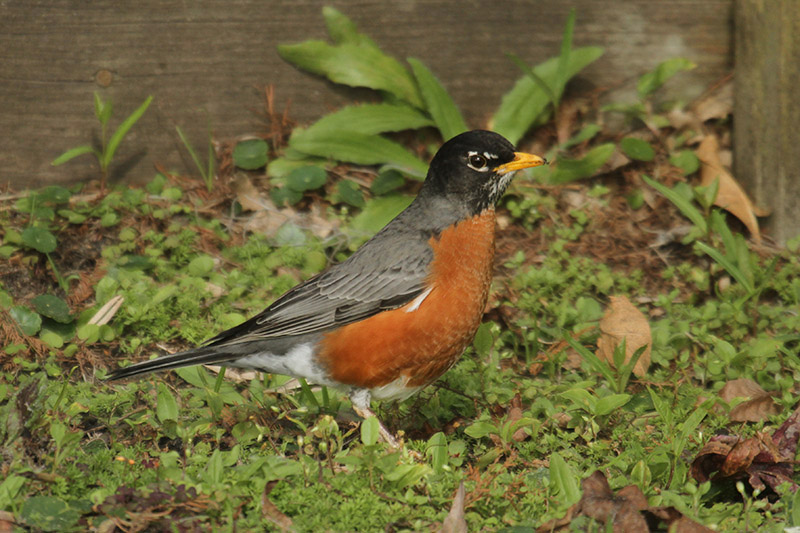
column 400, row 311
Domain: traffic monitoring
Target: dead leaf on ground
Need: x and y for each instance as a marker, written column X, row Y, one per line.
column 237, row 375
column 107, row 312
column 718, row 104
column 622, row 320
column 271, row 512
column 759, row 405
column 763, row 460
column 514, row 415
column 7, row 522
column 628, row 511
column 248, row 196
column 455, row 521
column 731, row 196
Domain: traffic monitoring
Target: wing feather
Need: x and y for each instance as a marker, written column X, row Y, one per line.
column 375, row 278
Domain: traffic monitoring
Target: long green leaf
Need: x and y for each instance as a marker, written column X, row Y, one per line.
column 189, row 148
column 525, row 103
column 377, row 213
column 567, row 170
column 102, row 110
column 166, row 406
column 546, row 89
column 683, row 205
column 728, row 265
column 342, row 29
column 438, row 102
column 361, row 149
column 597, row 365
column 720, row 226
column 356, row 65
column 563, row 481
column 369, row 119
column 609, row 404
column 651, row 81
column 73, row 153
column 121, row 131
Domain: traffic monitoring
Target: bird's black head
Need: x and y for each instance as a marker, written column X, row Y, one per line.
column 475, row 168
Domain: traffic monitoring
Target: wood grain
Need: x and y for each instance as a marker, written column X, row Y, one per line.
column 204, row 60
column 767, row 110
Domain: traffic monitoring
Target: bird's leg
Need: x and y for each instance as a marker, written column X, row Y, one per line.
column 360, row 399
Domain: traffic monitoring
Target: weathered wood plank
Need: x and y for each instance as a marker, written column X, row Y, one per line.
column 767, row 110
column 203, row 61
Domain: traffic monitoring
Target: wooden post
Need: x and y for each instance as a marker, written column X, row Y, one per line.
column 767, row 110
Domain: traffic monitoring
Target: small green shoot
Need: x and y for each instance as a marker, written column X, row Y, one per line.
column 108, row 147
column 617, row 375
column 207, row 171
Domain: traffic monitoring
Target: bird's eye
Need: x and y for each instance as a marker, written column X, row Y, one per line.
column 477, row 162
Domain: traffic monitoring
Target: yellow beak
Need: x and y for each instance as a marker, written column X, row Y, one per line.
column 521, row 160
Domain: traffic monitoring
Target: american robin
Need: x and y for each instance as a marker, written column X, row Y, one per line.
column 399, row 312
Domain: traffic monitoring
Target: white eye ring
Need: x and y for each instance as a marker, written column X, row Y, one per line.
column 476, row 161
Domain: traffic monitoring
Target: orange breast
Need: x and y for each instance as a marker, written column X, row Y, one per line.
column 422, row 344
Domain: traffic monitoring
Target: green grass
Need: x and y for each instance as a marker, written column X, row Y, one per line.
column 202, row 452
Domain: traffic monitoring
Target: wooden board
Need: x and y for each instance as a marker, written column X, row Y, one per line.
column 205, row 62
column 767, row 110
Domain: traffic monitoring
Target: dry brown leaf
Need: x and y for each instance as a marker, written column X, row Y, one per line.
column 628, row 510
column 763, row 460
column 514, row 415
column 755, row 409
column 107, row 312
column 740, row 388
column 731, row 196
column 248, row 196
column 109, row 525
column 622, row 320
column 455, row 521
column 759, row 405
column 237, row 375
column 718, row 104
column 271, row 512
column 687, row 525
column 215, row 290
column 7, row 522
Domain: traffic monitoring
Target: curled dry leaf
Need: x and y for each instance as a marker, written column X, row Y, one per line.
column 7, row 522
column 237, row 375
column 763, row 461
column 622, row 320
column 271, row 512
column 248, row 196
column 759, row 405
column 716, row 105
column 514, row 415
column 107, row 312
column 455, row 521
column 628, row 511
column 215, row 290
column 731, row 196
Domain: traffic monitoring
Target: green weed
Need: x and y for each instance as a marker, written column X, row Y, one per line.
column 108, row 145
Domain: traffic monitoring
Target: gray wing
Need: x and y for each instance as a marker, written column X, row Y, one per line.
column 375, row 278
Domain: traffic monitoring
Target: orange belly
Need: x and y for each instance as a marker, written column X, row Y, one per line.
column 422, row 344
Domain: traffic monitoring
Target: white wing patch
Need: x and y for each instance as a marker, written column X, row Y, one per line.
column 418, row 300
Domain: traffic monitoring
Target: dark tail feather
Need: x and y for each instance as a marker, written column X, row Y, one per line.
column 205, row 355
